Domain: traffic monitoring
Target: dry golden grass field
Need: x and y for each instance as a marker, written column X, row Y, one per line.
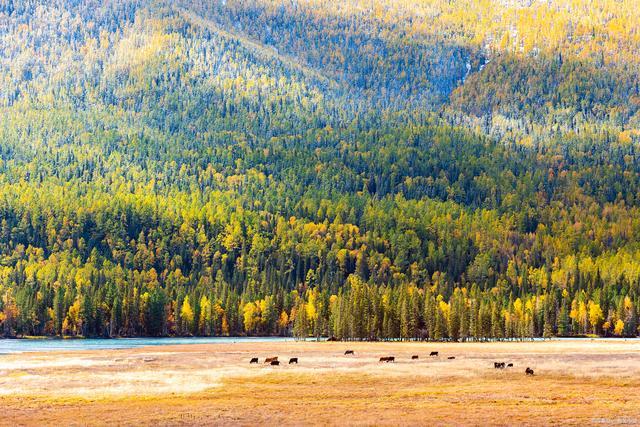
column 575, row 383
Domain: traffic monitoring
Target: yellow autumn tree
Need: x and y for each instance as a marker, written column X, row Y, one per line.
column 205, row 316
column 71, row 323
column 595, row 316
column 186, row 316
column 250, row 313
column 283, row 320
column 619, row 327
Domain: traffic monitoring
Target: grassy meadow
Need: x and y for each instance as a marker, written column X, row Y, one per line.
column 575, row 383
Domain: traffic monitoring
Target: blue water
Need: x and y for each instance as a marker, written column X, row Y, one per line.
column 21, row 345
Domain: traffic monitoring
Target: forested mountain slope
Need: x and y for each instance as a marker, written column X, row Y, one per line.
column 427, row 169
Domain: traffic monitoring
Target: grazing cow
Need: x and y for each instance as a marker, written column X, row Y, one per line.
column 254, row 360
column 451, row 357
column 433, row 353
column 348, row 352
column 388, row 359
column 270, row 359
column 510, row 365
column 529, row 371
column 293, row 360
column 414, row 357
column 498, row 365
column 275, row 363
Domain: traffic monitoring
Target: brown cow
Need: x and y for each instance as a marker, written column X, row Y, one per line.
column 529, row 371
column 254, row 360
column 270, row 359
column 388, row 359
column 293, row 360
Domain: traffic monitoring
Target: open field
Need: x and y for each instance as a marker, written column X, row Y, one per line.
column 576, row 382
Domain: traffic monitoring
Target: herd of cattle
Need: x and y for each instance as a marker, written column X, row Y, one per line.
column 273, row 361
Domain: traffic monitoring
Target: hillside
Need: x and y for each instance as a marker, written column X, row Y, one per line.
column 427, row 169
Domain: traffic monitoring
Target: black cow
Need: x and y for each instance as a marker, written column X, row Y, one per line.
column 275, row 363
column 451, row 357
column 529, row 371
column 414, row 357
column 499, row 365
column 348, row 352
column 293, row 360
column 433, row 353
column 388, row 359
column 510, row 365
column 254, row 360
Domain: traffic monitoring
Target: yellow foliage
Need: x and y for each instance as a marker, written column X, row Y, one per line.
column 517, row 307
column 249, row 316
column 283, row 321
column 186, row 313
column 619, row 328
column 595, row 314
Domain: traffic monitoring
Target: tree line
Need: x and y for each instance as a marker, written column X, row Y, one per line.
column 358, row 311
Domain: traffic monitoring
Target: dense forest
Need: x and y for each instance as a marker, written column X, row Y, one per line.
column 361, row 170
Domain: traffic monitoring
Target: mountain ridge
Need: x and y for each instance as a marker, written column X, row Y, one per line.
column 395, row 171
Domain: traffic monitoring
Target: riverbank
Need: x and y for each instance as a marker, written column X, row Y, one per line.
column 575, row 382
column 8, row 346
